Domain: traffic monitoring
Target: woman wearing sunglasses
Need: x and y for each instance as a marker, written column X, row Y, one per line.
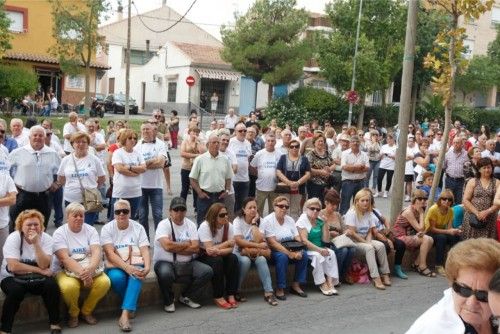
column 439, row 225
column 217, row 245
column 464, row 308
column 278, row 227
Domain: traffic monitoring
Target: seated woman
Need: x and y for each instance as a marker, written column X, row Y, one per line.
column 439, row 225
column 314, row 233
column 410, row 228
column 464, row 308
column 361, row 221
column 78, row 253
column 26, row 268
column 278, row 227
column 217, row 244
column 336, row 227
column 252, row 248
column 128, row 261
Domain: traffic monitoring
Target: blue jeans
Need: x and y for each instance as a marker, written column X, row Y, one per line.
column 88, row 217
column 456, row 186
column 240, row 193
column 134, row 207
column 344, row 258
column 374, row 165
column 440, row 242
column 155, row 196
column 262, row 269
column 281, row 261
column 56, row 198
column 127, row 287
column 349, row 189
column 203, row 204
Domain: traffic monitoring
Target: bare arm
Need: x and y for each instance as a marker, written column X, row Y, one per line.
column 8, row 200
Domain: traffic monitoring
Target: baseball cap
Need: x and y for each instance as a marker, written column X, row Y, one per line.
column 178, row 202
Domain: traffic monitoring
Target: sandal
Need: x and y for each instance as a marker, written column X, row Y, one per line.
column 239, row 297
column 224, row 305
column 125, row 326
column 414, row 267
column 426, row 272
column 271, row 300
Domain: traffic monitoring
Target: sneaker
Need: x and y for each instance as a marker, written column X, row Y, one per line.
column 375, row 194
column 188, row 302
column 440, row 270
column 170, row 308
column 385, row 194
column 407, row 198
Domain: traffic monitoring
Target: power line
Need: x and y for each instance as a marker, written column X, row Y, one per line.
column 167, row 29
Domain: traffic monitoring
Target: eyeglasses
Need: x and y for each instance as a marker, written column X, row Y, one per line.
column 120, row 211
column 294, row 146
column 439, row 134
column 283, row 206
column 222, row 215
column 2, row 131
column 243, row 130
column 466, row 292
column 132, row 138
column 315, row 209
column 421, row 198
column 447, row 199
column 48, row 134
column 179, row 209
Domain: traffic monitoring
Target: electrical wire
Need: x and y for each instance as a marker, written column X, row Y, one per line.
column 167, row 29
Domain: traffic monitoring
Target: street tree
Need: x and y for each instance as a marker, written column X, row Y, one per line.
column 480, row 75
column 5, row 34
column 448, row 61
column 494, row 48
column 77, row 38
column 383, row 25
column 16, row 82
column 266, row 43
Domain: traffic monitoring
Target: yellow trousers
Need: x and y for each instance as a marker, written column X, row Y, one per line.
column 70, row 290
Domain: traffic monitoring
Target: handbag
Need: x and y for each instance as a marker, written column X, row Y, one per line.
column 131, row 254
column 92, row 201
column 474, row 222
column 343, row 241
column 181, row 269
column 293, row 245
column 27, row 278
column 282, row 188
column 84, row 261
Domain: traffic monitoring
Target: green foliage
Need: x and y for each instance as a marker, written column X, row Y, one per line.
column 265, row 44
column 473, row 118
column 386, row 116
column 5, row 34
column 481, row 74
column 320, row 104
column 430, row 107
column 286, row 112
column 494, row 48
column 16, row 82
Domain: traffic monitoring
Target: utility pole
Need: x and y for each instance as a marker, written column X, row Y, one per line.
column 404, row 109
column 353, row 81
column 127, row 68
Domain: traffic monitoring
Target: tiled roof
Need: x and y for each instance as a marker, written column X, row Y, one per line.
column 45, row 59
column 202, row 54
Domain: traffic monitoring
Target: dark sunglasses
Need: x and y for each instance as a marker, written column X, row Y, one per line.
column 242, row 130
column 2, row 131
column 294, row 146
column 179, row 209
column 447, row 199
column 466, row 292
column 315, row 209
column 132, row 138
column 283, row 206
column 120, row 211
column 223, row 215
column 421, row 198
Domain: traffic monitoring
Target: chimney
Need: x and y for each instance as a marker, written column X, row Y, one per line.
column 120, row 11
column 163, row 3
column 147, row 48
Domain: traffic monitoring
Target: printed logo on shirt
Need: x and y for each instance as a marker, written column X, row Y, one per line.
column 81, row 250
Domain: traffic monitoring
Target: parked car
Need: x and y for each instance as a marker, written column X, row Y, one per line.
column 116, row 103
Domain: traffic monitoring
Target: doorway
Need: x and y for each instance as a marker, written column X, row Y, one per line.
column 209, row 86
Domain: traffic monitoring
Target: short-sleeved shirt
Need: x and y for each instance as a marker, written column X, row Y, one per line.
column 152, row 178
column 12, row 250
column 7, row 186
column 69, row 129
column 89, row 169
column 205, row 234
column 363, row 223
column 242, row 150
column 133, row 235
column 185, row 232
column 4, row 160
column 211, row 172
column 440, row 219
column 294, row 170
column 266, row 163
column 349, row 158
column 314, row 234
column 387, row 152
column 282, row 232
column 241, row 228
column 75, row 243
column 126, row 186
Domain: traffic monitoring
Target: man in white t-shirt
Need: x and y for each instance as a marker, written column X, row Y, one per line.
column 69, row 128
column 243, row 151
column 265, row 163
column 18, row 133
column 176, row 241
column 230, row 120
column 154, row 152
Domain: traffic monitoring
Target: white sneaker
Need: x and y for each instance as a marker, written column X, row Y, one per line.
column 188, row 302
column 170, row 308
column 407, row 198
column 385, row 194
column 375, row 194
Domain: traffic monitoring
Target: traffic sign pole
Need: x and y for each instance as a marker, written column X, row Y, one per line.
column 190, row 82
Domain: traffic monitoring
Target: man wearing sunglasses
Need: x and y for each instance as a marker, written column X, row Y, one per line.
column 242, row 149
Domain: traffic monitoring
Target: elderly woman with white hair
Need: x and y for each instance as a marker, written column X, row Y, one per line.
column 79, row 262
column 128, row 260
column 314, row 233
column 69, row 129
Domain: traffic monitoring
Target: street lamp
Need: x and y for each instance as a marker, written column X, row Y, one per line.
column 349, row 119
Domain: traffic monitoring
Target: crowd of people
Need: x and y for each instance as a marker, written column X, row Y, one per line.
column 320, row 209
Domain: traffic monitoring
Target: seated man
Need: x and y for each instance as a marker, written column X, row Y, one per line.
column 175, row 243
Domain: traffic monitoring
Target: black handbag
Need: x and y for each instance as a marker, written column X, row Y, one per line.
column 28, row 278
column 293, row 246
column 474, row 222
column 181, row 269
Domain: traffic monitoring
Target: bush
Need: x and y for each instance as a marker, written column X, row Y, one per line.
column 320, row 104
column 430, row 107
column 473, row 118
column 285, row 112
column 16, row 82
column 385, row 116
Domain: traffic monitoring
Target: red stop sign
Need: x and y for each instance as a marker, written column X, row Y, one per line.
column 190, row 81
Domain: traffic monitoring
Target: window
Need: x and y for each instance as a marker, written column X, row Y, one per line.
column 18, row 19
column 495, row 15
column 138, row 57
column 469, row 48
column 172, row 91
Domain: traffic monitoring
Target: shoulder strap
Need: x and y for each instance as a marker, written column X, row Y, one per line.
column 77, row 173
column 224, row 234
column 173, row 238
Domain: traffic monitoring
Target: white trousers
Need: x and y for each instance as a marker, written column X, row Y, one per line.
column 324, row 265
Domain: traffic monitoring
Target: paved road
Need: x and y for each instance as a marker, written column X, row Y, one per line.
column 358, row 308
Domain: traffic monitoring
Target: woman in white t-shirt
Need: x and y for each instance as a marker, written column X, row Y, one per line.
column 217, row 245
column 128, row 260
column 8, row 193
column 388, row 153
column 80, row 166
column 73, row 242
column 279, row 227
column 26, row 268
column 128, row 166
column 252, row 248
column 361, row 221
column 69, row 129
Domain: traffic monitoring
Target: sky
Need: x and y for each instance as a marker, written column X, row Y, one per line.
column 208, row 14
